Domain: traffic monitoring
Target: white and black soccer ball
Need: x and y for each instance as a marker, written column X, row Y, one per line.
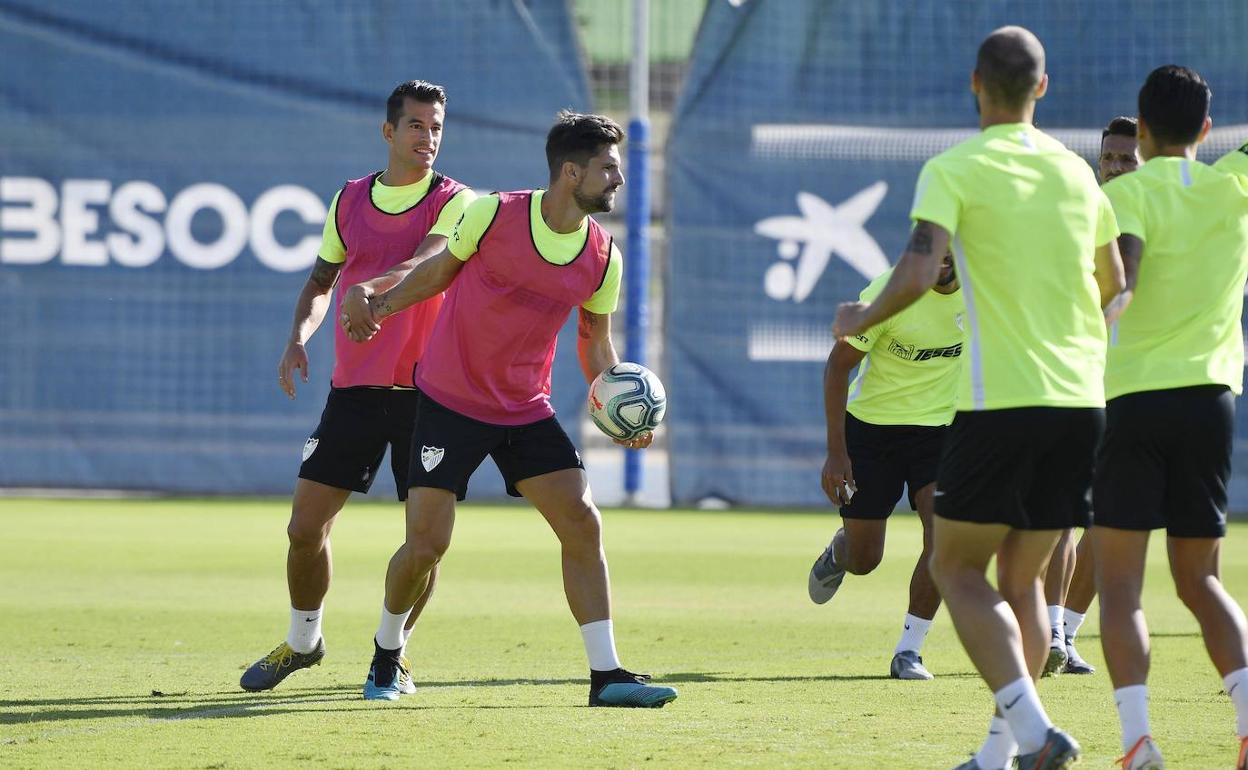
column 627, row 400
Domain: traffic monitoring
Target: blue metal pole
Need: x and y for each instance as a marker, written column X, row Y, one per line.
column 637, row 270
column 637, row 252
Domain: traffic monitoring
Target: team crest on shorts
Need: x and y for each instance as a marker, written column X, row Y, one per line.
column 309, row 447
column 430, row 456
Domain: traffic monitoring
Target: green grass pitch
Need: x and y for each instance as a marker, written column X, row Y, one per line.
column 124, row 626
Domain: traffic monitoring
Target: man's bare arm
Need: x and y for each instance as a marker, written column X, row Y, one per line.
column 915, row 273
column 428, row 278
column 310, row 310
column 1117, row 269
column 1131, row 251
column 313, row 301
column 427, row 249
column 596, row 353
column 594, row 347
column 357, row 318
column 837, row 472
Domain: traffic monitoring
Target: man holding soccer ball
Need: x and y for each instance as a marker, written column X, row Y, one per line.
column 516, row 265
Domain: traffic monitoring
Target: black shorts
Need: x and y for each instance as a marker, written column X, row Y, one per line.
column 1166, row 461
column 1030, row 468
column 448, row 446
column 346, row 449
column 886, row 459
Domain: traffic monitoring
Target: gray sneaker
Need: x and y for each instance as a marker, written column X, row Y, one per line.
column 825, row 576
column 269, row 671
column 907, row 664
column 1058, row 752
column 1074, row 663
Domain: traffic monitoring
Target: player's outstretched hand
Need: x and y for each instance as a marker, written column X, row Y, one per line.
column 294, row 357
column 356, row 316
column 641, row 442
column 838, row 479
column 850, row 319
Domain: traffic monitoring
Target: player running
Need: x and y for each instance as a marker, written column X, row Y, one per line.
column 517, row 264
column 1176, row 361
column 375, row 223
column 1070, row 584
column 1033, row 241
column 885, row 434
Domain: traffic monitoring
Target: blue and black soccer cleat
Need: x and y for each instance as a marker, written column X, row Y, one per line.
column 628, row 690
column 383, row 682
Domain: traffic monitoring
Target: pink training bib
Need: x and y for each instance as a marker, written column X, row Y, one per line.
column 490, row 352
column 377, row 241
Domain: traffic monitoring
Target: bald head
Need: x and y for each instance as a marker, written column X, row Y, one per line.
column 1010, row 66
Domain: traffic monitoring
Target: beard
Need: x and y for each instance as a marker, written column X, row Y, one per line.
column 945, row 280
column 593, row 204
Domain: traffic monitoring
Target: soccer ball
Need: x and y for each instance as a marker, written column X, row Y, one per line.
column 627, row 400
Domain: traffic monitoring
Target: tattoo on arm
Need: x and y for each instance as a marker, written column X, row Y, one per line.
column 921, row 239
column 380, row 304
column 325, row 274
column 588, row 322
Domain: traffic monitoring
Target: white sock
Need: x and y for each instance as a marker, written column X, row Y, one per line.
column 1237, row 687
column 1020, row 704
column 390, row 630
column 1058, row 634
column 407, row 634
column 913, row 634
column 1132, row 703
column 305, row 629
column 599, row 639
column 999, row 747
column 1071, row 621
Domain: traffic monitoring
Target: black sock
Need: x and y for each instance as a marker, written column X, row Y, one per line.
column 382, row 655
column 599, row 678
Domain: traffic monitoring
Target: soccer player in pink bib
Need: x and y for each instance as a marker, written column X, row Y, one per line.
column 382, row 222
column 516, row 265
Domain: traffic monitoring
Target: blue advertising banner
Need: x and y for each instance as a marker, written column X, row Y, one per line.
column 164, row 177
column 798, row 138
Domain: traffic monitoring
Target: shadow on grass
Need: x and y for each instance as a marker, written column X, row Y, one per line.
column 232, row 704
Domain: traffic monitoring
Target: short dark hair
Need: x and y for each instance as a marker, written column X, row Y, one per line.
column 1174, row 102
column 417, row 90
column 1010, row 64
column 1120, row 126
column 577, row 138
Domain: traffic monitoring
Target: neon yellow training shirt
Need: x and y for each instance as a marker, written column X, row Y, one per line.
column 1182, row 327
column 1026, row 216
column 556, row 248
column 394, row 200
column 1234, row 162
column 910, row 374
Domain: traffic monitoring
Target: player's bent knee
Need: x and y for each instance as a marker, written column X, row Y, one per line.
column 863, row 562
column 426, row 551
